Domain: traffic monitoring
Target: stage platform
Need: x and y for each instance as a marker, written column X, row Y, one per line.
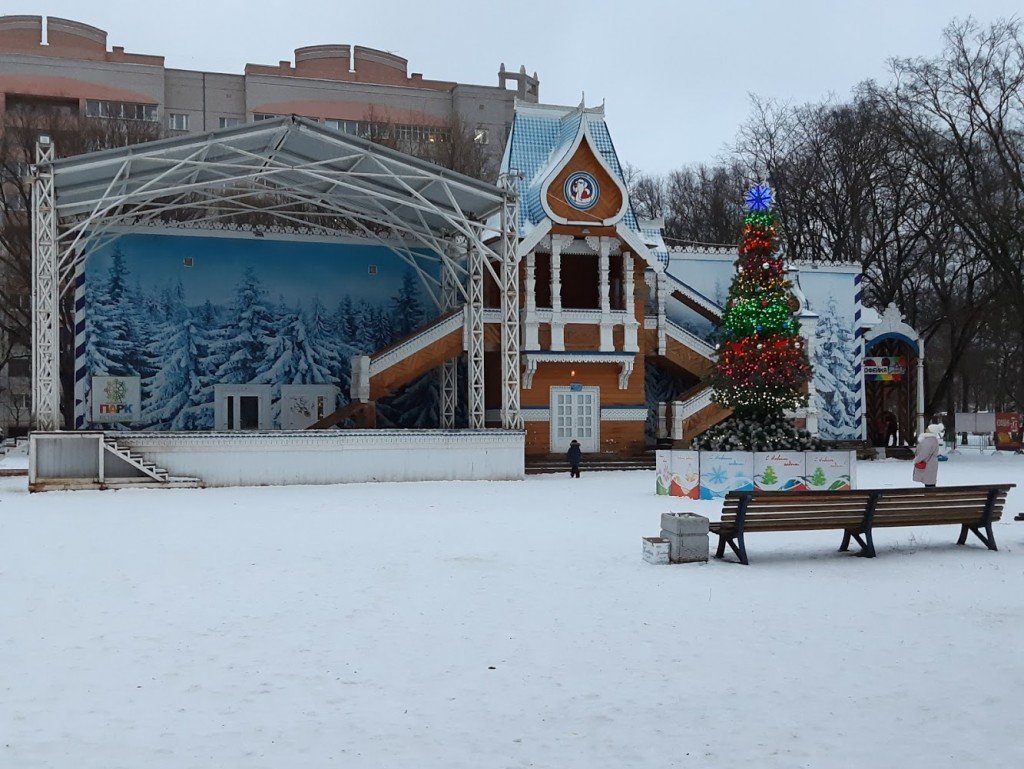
column 271, row 458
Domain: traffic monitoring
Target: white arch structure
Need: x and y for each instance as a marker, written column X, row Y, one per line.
column 300, row 174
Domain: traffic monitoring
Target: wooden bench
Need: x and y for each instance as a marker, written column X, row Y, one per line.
column 858, row 513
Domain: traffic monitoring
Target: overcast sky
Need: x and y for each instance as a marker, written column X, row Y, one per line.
column 675, row 76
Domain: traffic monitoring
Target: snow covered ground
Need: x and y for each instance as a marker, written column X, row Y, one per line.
column 495, row 625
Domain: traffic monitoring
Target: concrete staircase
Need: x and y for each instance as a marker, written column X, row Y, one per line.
column 152, row 475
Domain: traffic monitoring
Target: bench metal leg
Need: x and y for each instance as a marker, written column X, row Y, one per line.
column 988, row 538
column 740, row 548
column 863, row 534
column 736, row 544
column 864, row 539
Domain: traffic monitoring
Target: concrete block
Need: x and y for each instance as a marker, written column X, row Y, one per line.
column 656, row 550
column 684, row 523
column 687, row 548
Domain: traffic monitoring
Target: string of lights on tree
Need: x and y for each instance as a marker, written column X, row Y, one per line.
column 762, row 366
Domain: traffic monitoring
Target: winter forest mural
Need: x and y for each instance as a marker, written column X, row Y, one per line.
column 835, row 377
column 187, row 312
column 830, row 292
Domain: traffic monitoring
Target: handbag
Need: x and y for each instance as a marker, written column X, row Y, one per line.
column 920, row 465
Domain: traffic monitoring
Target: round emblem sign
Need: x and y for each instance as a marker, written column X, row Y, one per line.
column 582, row 191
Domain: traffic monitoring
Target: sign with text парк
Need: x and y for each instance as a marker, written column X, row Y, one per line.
column 116, row 399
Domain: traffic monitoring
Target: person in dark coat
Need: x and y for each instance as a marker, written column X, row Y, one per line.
column 574, row 455
column 891, row 428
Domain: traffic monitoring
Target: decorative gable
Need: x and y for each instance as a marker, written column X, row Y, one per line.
column 582, row 189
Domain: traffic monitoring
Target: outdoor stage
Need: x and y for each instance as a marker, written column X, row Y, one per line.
column 63, row 460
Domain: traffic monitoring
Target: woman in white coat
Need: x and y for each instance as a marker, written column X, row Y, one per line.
column 926, row 458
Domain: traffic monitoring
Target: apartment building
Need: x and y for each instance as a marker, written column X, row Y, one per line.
column 68, row 64
column 63, row 66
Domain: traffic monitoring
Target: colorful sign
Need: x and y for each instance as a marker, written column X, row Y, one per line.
column 779, row 471
column 725, row 471
column 830, row 470
column 678, row 473
column 887, row 369
column 115, row 398
column 1008, row 431
column 720, row 472
column 582, row 191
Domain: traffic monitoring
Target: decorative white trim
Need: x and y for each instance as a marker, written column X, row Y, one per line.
column 311, row 440
column 536, row 414
column 693, row 295
column 891, row 322
column 690, row 340
column 705, row 248
column 697, row 402
column 414, row 344
column 532, row 359
column 616, row 414
column 624, row 373
column 583, row 134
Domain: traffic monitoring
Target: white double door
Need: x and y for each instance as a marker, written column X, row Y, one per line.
column 575, row 414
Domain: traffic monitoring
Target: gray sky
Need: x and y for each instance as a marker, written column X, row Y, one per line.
column 675, row 76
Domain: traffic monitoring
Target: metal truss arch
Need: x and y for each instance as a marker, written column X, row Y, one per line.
column 288, row 170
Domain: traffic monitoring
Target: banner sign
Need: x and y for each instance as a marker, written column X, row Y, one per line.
column 779, row 471
column 887, row 369
column 678, row 473
column 830, row 470
column 976, row 423
column 725, row 471
column 116, row 398
column 713, row 474
column 1008, row 430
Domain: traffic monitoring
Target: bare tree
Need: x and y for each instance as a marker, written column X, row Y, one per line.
column 961, row 116
column 704, row 204
column 646, row 192
column 72, row 134
column 451, row 144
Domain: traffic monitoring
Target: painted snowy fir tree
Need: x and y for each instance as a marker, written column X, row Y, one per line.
column 762, row 367
column 836, row 382
column 176, row 395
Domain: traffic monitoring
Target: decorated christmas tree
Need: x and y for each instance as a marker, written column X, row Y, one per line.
column 762, row 368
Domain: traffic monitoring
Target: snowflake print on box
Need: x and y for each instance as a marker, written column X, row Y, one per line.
column 582, row 191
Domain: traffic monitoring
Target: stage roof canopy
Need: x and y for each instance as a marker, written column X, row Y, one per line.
column 217, row 174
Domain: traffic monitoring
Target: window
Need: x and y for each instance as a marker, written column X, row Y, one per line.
column 19, row 367
column 120, row 109
column 481, row 136
column 20, row 401
column 230, row 122
column 177, row 122
column 257, row 116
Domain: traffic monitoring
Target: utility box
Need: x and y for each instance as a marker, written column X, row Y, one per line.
column 687, row 535
column 656, row 550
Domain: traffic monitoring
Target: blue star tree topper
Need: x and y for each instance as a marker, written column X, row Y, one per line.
column 760, row 198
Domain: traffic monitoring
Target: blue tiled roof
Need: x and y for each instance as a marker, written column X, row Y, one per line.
column 540, row 139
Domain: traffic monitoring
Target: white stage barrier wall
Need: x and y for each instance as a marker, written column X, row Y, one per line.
column 334, row 456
